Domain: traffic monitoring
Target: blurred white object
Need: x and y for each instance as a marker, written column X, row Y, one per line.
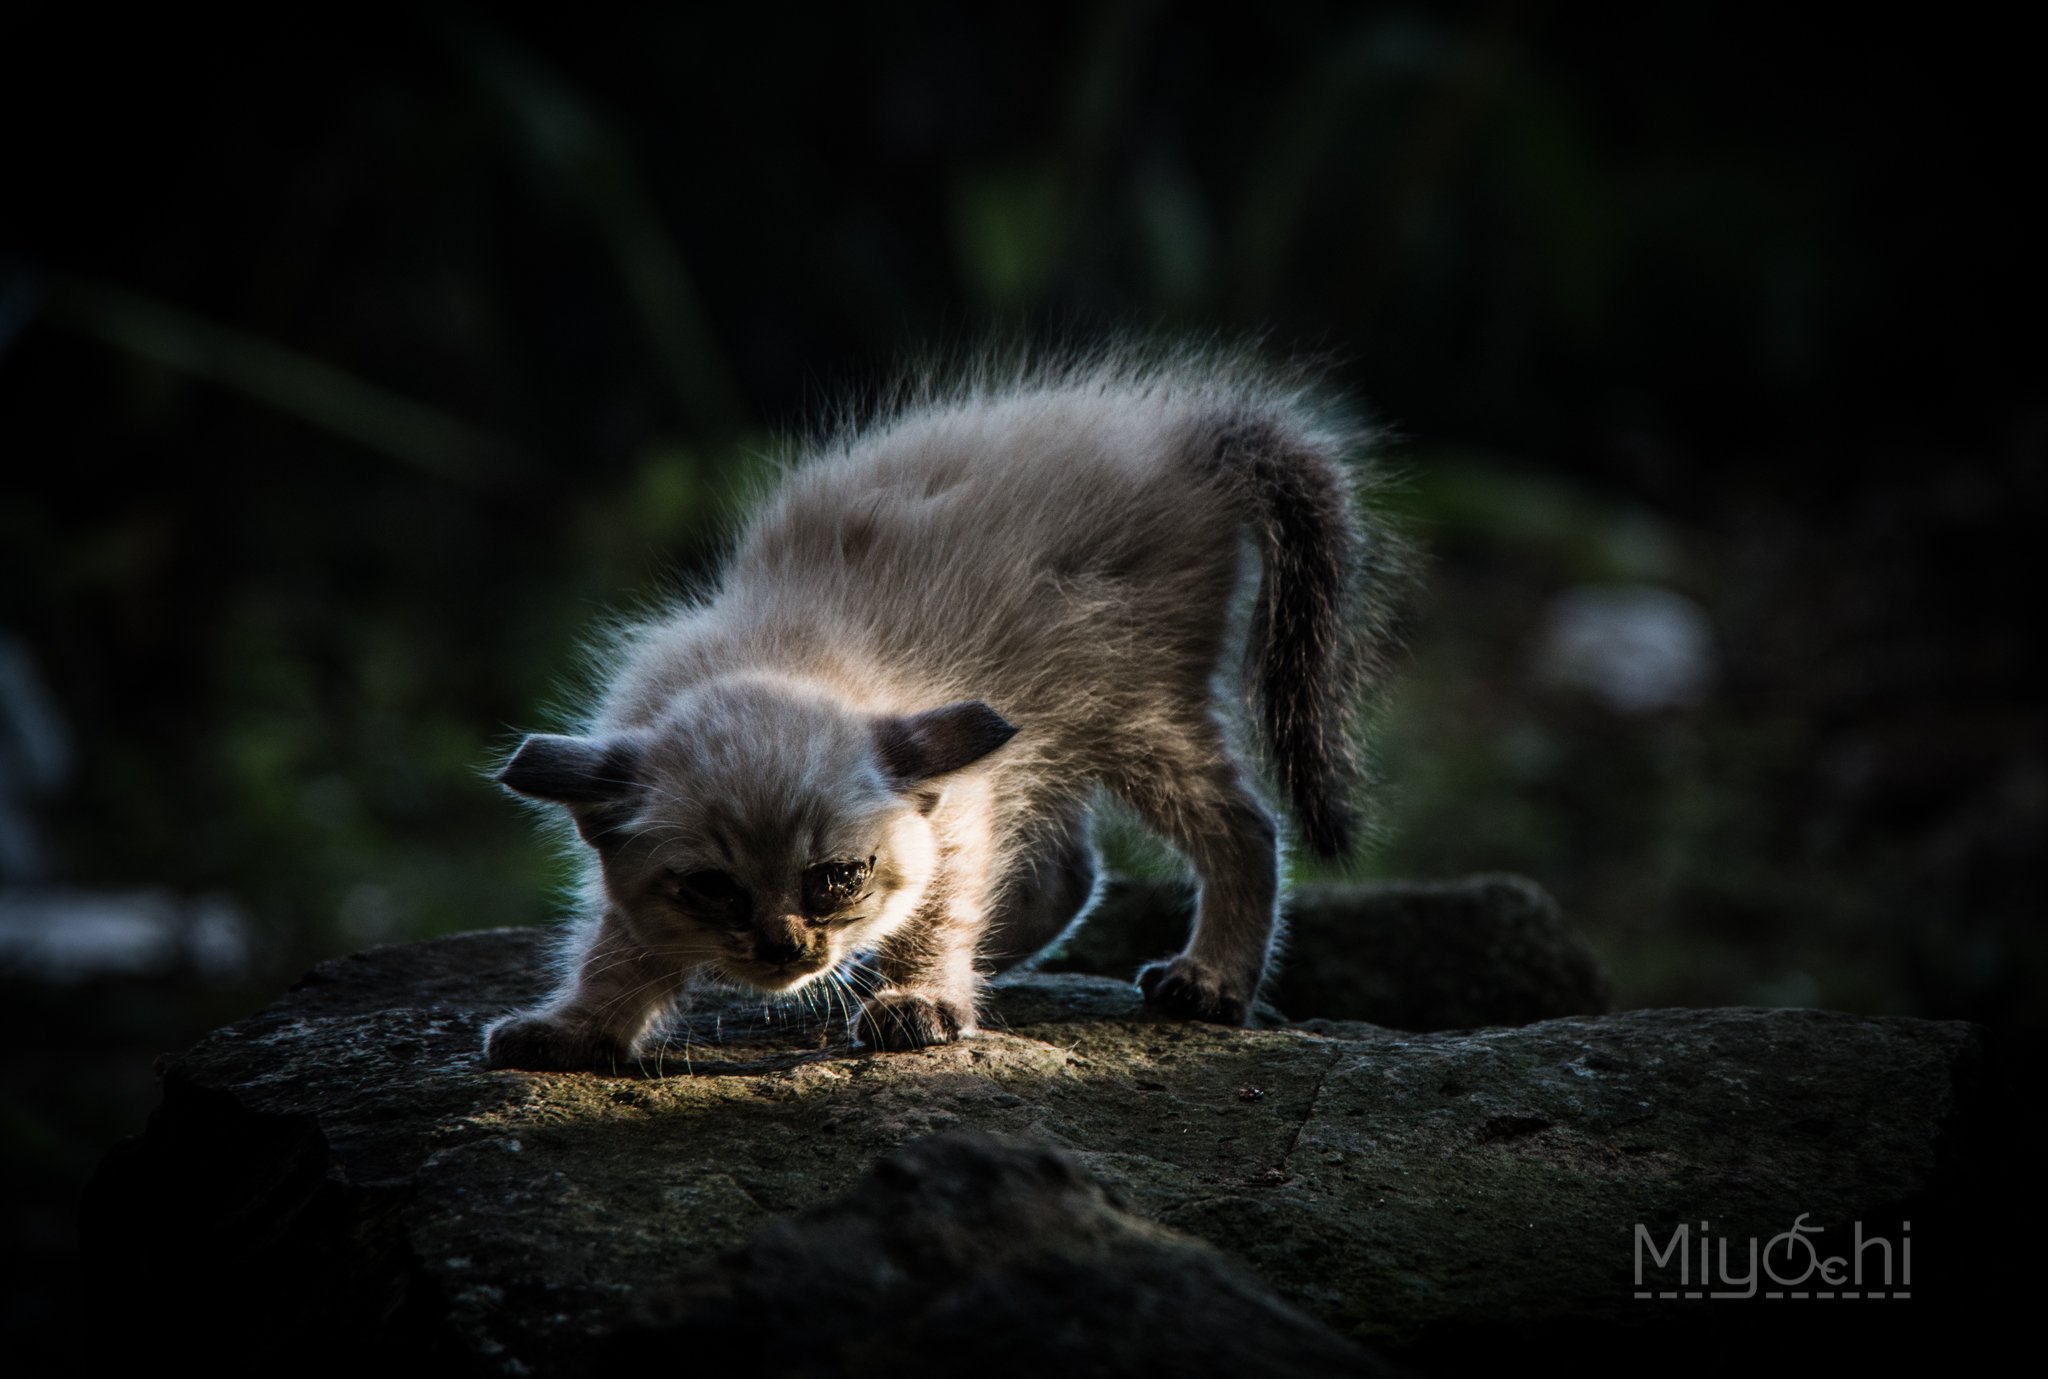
column 1637, row 647
column 70, row 935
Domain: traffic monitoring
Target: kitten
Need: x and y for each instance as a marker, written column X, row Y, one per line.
column 944, row 636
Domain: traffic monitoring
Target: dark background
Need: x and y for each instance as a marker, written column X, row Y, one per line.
column 353, row 363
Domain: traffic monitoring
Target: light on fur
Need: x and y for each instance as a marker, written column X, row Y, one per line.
column 937, row 644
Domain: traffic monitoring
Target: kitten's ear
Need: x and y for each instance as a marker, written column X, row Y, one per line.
column 920, row 746
column 573, row 770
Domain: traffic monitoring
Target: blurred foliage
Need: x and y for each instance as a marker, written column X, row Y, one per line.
column 359, row 363
column 355, row 362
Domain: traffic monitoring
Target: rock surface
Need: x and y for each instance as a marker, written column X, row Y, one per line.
column 341, row 1172
column 1004, row 1259
column 1486, row 950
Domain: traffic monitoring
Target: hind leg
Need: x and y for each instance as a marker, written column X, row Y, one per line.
column 1050, row 888
column 1201, row 805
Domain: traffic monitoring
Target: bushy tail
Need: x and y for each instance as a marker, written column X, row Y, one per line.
column 1321, row 635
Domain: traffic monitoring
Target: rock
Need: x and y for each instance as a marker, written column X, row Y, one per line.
column 1005, row 1258
column 1488, row 950
column 340, row 1175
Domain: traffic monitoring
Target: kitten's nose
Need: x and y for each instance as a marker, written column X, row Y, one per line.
column 780, row 951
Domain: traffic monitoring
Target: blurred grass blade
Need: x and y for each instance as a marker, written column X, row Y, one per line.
column 593, row 162
column 293, row 383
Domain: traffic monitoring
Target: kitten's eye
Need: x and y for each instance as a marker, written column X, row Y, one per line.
column 713, row 891
column 831, row 886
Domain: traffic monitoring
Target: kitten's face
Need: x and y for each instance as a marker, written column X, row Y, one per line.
column 763, row 833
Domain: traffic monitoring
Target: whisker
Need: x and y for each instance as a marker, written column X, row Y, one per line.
column 849, row 1005
column 837, row 987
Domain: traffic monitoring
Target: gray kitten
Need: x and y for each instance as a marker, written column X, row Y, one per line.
column 938, row 642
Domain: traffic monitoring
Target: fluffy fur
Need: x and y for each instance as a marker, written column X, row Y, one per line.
column 952, row 627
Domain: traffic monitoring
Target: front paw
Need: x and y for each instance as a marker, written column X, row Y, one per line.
column 542, row 1043
column 906, row 1020
column 1194, row 991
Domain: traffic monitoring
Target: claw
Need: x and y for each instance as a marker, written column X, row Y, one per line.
column 1192, row 991
column 906, row 1020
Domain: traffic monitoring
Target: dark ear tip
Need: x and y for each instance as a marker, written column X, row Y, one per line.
column 569, row 770
column 523, row 763
column 511, row 761
column 941, row 740
column 994, row 726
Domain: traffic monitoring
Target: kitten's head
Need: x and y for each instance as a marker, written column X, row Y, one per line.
column 761, row 828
